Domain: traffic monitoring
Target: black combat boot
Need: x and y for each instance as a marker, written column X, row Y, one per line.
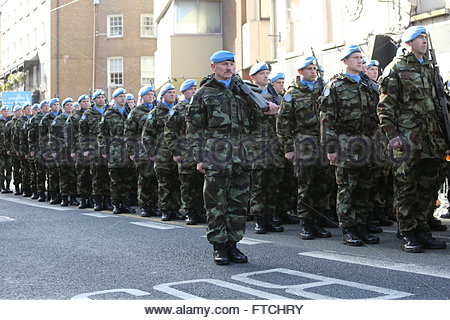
column 383, row 220
column 234, row 254
column 27, row 193
column 55, row 199
column 410, row 243
column 107, row 203
column 8, row 190
column 98, row 203
column 90, row 202
column 191, row 217
column 73, row 201
column 436, row 225
column 42, row 197
column 372, row 228
column 35, row 195
column 179, row 215
column 320, row 232
column 306, row 231
column 272, row 226
column 350, row 239
column 366, row 237
column 166, row 215
column 125, row 208
column 116, row 208
column 445, row 215
column 260, row 225
column 154, row 210
column 17, row 191
column 65, row 201
column 220, row 254
column 83, row 202
column 2, row 187
column 426, row 240
column 145, row 212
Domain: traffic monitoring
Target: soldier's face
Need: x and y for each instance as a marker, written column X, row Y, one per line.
column 27, row 111
column 223, row 70
column 131, row 104
column 68, row 107
column 45, row 108
column 120, row 99
column 100, row 100
column 309, row 73
column 189, row 92
column 170, row 96
column 148, row 97
column 5, row 113
column 35, row 111
column 279, row 85
column 261, row 78
column 354, row 62
column 84, row 104
column 18, row 113
column 420, row 44
column 55, row 107
column 372, row 73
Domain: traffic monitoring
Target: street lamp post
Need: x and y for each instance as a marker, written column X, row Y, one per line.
column 94, row 43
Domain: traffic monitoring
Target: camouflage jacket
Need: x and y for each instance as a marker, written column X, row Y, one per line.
column 219, row 126
column 9, row 125
column 33, row 132
column 133, row 132
column 44, row 130
column 348, row 121
column 19, row 136
column 56, row 138
column 153, row 134
column 407, row 110
column 298, row 124
column 88, row 131
column 111, row 138
column 175, row 135
column 3, row 134
column 71, row 132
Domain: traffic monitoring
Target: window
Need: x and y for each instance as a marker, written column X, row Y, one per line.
column 147, row 70
column 115, row 71
column 264, row 9
column 198, row 16
column 147, row 25
column 115, row 26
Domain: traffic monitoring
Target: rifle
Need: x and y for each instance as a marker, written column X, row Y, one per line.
column 256, row 97
column 440, row 100
column 320, row 81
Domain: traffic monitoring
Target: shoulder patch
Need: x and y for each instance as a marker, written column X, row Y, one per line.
column 54, row 122
column 129, row 116
column 326, row 92
column 24, row 125
column 83, row 117
column 288, row 97
column 172, row 112
column 149, row 116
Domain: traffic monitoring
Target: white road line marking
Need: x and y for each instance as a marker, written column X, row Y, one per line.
column 251, row 241
column 156, row 225
column 134, row 292
column 435, row 235
column 38, row 205
column 99, row 215
column 6, row 219
column 377, row 263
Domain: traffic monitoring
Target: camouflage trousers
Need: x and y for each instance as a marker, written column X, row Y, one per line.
column 352, row 195
column 264, row 191
column 168, row 186
column 286, row 196
column 147, row 184
column 17, row 172
column 25, row 169
column 312, row 191
column 5, row 168
column 40, row 174
column 120, row 185
column 191, row 189
column 416, row 184
column 84, row 179
column 100, row 178
column 331, row 195
column 67, row 179
column 33, row 173
column 378, row 189
column 226, row 195
column 53, row 177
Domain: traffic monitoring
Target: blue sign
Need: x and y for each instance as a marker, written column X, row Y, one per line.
column 13, row 98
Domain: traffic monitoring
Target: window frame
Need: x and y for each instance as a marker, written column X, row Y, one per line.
column 141, row 73
column 111, row 84
column 108, row 18
column 175, row 25
column 152, row 35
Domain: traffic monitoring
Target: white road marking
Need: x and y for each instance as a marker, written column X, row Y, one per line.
column 167, row 288
column 6, row 219
column 300, row 289
column 98, row 215
column 156, row 225
column 39, row 205
column 377, row 263
column 250, row 241
column 435, row 235
column 134, row 292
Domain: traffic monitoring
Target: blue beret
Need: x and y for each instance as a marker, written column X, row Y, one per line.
column 220, row 56
column 187, row 84
column 165, row 88
column 118, row 91
column 17, row 108
column 83, row 97
column 260, row 66
column 129, row 96
column 372, row 63
column 144, row 90
column 26, row 104
column 306, row 62
column 76, row 104
column 98, row 93
column 413, row 32
column 349, row 50
column 45, row 101
column 66, row 100
column 35, row 106
column 53, row 101
column 4, row 107
column 278, row 76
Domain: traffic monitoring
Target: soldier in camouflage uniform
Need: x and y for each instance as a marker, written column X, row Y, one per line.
column 147, row 183
column 61, row 154
column 277, row 82
column 410, row 120
column 45, row 156
column 11, row 151
column 88, row 133
column 33, row 181
column 156, row 146
column 36, row 165
column 268, row 166
column 299, row 128
column 83, row 171
column 112, row 147
column 219, row 122
column 20, row 144
column 5, row 163
column 348, row 123
column 175, row 134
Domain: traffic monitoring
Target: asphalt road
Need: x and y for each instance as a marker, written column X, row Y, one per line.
column 49, row 252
